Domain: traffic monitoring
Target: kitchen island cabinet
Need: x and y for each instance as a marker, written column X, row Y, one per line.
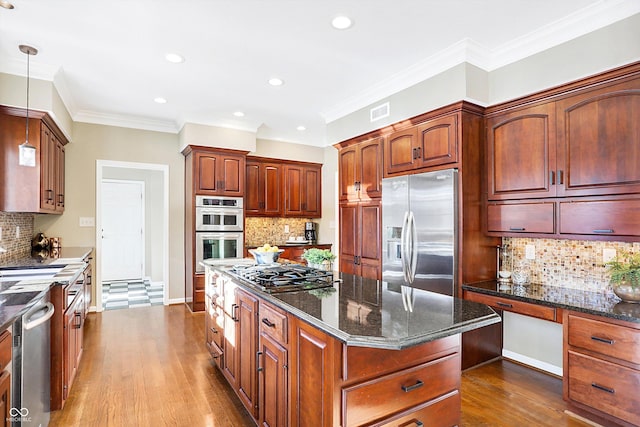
column 316, row 367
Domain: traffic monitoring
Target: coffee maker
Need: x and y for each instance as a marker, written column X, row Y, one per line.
column 310, row 232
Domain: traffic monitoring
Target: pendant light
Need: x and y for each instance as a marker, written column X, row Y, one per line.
column 27, row 155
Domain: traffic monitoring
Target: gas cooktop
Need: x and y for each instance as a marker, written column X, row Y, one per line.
column 275, row 277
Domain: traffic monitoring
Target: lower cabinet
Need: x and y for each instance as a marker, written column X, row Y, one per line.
column 602, row 367
column 73, row 342
column 246, row 348
column 5, row 377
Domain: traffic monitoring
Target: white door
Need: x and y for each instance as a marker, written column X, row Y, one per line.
column 122, row 230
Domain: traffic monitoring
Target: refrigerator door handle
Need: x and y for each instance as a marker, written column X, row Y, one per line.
column 413, row 237
column 403, row 247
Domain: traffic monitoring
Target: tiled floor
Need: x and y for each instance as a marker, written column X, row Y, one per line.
column 117, row 295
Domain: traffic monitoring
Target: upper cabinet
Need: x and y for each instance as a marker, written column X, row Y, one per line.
column 303, row 190
column 39, row 188
column 264, row 195
column 219, row 172
column 361, row 170
column 572, row 155
column 433, row 142
column 283, row 188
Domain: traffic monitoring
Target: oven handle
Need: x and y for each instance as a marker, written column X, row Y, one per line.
column 49, row 310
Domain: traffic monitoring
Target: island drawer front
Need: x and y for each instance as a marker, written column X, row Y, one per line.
column 5, row 349
column 360, row 362
column 528, row 309
column 215, row 333
column 374, row 399
column 443, row 411
column 273, row 323
column 521, row 218
column 608, row 387
column 605, row 338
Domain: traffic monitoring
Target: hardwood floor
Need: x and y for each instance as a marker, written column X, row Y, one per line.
column 150, row 367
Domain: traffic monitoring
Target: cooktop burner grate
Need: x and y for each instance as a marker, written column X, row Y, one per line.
column 284, row 278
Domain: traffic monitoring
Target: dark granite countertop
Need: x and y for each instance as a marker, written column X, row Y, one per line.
column 65, row 256
column 372, row 313
column 598, row 303
column 17, row 296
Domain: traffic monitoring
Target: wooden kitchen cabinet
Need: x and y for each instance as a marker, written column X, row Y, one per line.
column 219, row 172
column 247, row 346
column 273, row 369
column 73, row 342
column 602, row 367
column 361, row 170
column 361, row 239
column 514, row 218
column 6, row 344
column 303, row 190
column 264, row 188
column 433, row 142
column 39, row 189
column 619, row 218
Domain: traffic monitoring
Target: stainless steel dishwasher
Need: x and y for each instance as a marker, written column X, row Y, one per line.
column 30, row 397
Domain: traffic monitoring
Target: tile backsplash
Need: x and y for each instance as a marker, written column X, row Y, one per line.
column 575, row 264
column 16, row 247
column 258, row 231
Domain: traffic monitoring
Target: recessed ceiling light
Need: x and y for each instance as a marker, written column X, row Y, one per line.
column 276, row 81
column 341, row 22
column 238, row 114
column 174, row 57
column 301, row 128
column 6, row 4
column 160, row 100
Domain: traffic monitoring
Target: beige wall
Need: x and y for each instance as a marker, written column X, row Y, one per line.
column 96, row 142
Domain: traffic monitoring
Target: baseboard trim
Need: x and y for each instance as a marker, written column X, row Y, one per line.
column 176, row 301
column 538, row 364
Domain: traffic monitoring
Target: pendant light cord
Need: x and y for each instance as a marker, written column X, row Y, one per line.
column 27, row 126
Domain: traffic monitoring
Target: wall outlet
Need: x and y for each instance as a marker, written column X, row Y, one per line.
column 87, row 221
column 530, row 252
column 17, row 232
column 608, row 254
column 286, row 228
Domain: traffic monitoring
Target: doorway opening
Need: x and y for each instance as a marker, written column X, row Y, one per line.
column 132, row 228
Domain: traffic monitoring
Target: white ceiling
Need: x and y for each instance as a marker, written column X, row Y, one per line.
column 107, row 57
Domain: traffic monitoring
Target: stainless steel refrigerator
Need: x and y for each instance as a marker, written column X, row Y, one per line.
column 419, row 218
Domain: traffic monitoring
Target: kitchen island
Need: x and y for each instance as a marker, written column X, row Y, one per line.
column 359, row 352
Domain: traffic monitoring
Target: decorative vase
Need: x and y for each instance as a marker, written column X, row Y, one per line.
column 626, row 291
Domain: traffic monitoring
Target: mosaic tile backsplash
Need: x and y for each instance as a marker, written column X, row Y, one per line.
column 258, row 231
column 574, row 264
column 16, row 248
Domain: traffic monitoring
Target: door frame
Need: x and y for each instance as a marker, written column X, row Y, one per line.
column 142, row 186
column 100, row 165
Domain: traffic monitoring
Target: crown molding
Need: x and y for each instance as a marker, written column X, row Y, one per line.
column 126, row 121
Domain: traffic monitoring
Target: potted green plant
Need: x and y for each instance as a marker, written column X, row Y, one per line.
column 625, row 276
column 319, row 258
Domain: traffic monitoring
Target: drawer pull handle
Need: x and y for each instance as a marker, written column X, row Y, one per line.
column 604, row 231
column 214, row 331
column 504, row 304
column 603, row 388
column 407, row 389
column 604, row 340
column 516, row 228
column 258, row 367
column 418, row 423
column 268, row 323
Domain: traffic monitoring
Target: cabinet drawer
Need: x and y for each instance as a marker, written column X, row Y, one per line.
column 605, row 338
column 375, row 399
column 521, row 218
column 604, row 217
column 5, row 349
column 605, row 386
column 441, row 412
column 273, row 323
column 528, row 309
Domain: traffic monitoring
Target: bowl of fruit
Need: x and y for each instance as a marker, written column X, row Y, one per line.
column 266, row 254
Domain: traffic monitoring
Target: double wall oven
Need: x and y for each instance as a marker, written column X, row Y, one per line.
column 219, row 228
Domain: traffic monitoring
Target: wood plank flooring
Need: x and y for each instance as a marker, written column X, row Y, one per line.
column 150, row 367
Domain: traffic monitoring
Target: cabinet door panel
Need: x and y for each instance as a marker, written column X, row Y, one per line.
column 521, row 153
column 246, row 350
column 233, row 171
column 253, row 191
column 273, row 190
column 293, row 186
column 399, row 154
column 369, row 164
column 370, row 238
column 273, row 383
column 606, row 217
column 311, row 192
column 521, row 218
column 349, row 230
column 438, row 141
column 207, row 166
column 599, row 141
column 348, row 159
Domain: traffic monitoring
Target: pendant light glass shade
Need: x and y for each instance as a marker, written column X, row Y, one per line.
column 27, row 152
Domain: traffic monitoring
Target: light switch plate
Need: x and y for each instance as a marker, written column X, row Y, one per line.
column 530, row 252
column 608, row 254
column 286, row 228
column 87, row 221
